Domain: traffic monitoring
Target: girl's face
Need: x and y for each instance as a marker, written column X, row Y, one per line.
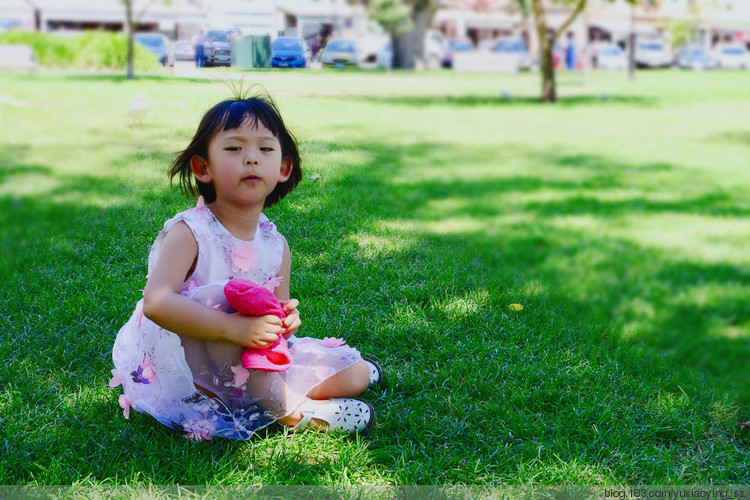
column 244, row 164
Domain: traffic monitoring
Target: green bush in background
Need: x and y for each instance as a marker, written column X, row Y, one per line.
column 94, row 49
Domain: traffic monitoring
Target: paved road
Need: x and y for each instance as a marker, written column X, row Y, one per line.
column 188, row 69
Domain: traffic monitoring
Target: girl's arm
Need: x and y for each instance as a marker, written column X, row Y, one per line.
column 292, row 321
column 163, row 304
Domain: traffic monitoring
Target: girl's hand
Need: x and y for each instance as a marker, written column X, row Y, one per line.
column 256, row 332
column 292, row 321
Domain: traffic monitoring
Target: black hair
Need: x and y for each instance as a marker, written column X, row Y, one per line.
column 231, row 114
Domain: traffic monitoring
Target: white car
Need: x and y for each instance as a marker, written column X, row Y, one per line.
column 652, row 54
column 610, row 57
column 731, row 56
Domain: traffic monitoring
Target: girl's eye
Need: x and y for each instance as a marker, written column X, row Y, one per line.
column 266, row 149
column 232, row 148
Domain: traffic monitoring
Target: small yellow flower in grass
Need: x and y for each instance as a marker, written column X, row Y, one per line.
column 516, row 307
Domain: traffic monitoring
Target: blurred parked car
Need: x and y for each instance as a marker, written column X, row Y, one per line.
column 159, row 45
column 731, row 56
column 652, row 54
column 184, row 51
column 695, row 57
column 610, row 57
column 290, row 52
column 218, row 49
column 456, row 45
column 340, row 53
column 515, row 47
column 385, row 56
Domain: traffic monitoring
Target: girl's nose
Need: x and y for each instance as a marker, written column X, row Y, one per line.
column 251, row 161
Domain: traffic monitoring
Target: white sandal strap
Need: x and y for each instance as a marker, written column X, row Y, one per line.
column 376, row 373
column 307, row 415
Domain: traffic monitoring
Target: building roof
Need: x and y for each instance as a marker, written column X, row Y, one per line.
column 623, row 26
column 308, row 8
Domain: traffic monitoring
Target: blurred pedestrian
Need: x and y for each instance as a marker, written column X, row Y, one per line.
column 198, row 40
column 570, row 53
column 315, row 46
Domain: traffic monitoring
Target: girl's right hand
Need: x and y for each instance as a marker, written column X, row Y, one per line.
column 256, row 332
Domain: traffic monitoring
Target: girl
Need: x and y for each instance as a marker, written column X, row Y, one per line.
column 178, row 355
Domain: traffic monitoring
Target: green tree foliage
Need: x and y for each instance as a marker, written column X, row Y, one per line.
column 393, row 15
column 681, row 31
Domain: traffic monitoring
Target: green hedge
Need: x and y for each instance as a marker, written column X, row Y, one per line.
column 93, row 49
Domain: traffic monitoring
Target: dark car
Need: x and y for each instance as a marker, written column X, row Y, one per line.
column 218, row 48
column 159, row 45
column 456, row 45
column 289, row 52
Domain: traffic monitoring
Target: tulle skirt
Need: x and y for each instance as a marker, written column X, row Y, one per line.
column 172, row 378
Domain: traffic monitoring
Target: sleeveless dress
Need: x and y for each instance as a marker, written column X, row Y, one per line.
column 159, row 370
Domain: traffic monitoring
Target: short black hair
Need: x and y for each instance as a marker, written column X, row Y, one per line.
column 231, row 114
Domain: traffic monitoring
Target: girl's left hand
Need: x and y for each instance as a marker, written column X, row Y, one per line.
column 292, row 321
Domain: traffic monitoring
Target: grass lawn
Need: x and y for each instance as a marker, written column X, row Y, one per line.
column 618, row 219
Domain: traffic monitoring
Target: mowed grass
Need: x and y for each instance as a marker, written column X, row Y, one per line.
column 618, row 219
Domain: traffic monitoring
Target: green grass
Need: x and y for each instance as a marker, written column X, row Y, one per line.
column 618, row 218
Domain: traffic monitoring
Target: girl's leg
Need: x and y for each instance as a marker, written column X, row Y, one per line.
column 347, row 383
column 219, row 352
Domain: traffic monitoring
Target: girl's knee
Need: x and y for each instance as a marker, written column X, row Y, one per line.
column 347, row 383
column 360, row 375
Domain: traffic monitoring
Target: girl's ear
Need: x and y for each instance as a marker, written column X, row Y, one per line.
column 199, row 166
column 286, row 169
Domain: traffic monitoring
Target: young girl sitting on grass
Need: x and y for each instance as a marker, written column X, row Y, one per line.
column 178, row 357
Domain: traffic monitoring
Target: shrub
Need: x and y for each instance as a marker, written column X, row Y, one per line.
column 93, row 49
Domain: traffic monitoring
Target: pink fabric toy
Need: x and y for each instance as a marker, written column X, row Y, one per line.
column 248, row 297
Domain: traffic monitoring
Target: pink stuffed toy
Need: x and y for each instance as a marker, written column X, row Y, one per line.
column 248, row 297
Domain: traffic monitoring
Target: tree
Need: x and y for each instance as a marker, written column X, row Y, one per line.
column 130, row 25
column 548, row 36
column 682, row 31
column 408, row 48
column 393, row 16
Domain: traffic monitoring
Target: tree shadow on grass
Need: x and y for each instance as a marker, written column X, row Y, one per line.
column 75, row 264
column 477, row 393
column 511, row 100
column 604, row 366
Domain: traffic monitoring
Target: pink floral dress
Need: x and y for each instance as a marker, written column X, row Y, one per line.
column 159, row 370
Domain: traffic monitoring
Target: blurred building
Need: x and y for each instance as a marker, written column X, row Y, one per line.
column 73, row 16
column 479, row 20
column 708, row 21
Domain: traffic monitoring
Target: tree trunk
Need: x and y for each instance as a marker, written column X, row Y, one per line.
column 549, row 91
column 403, row 51
column 130, row 72
column 409, row 48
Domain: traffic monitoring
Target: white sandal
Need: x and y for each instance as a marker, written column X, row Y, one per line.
column 343, row 414
column 376, row 373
